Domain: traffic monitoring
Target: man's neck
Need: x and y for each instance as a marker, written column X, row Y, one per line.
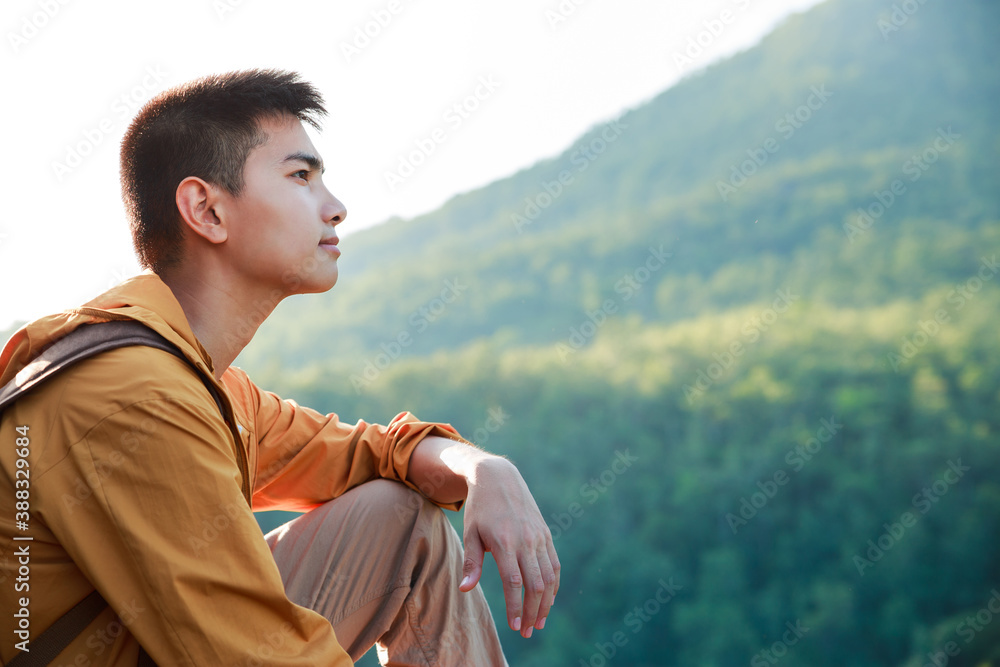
column 223, row 319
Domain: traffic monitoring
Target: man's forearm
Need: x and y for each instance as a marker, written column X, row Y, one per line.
column 442, row 468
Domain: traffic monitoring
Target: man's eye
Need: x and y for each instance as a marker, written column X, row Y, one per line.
column 302, row 173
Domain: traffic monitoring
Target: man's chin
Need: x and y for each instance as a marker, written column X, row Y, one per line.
column 319, row 286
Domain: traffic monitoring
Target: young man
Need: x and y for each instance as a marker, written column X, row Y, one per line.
column 142, row 490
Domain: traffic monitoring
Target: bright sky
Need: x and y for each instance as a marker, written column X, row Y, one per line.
column 392, row 72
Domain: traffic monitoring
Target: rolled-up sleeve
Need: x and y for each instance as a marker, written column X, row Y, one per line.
column 305, row 458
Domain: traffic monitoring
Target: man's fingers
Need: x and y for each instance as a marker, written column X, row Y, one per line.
column 510, row 574
column 472, row 567
column 533, row 567
column 550, row 578
column 556, row 568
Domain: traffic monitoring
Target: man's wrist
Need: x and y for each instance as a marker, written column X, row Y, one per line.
column 488, row 467
column 442, row 468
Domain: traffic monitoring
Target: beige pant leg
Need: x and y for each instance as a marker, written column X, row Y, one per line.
column 384, row 565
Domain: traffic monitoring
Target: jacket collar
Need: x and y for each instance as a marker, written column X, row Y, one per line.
column 145, row 298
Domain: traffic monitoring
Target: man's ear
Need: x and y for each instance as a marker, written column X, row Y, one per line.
column 199, row 204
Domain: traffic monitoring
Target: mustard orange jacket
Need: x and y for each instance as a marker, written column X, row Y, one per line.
column 139, row 488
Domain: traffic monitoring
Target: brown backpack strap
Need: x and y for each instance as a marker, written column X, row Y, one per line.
column 46, row 646
column 87, row 341
column 60, row 634
column 84, row 342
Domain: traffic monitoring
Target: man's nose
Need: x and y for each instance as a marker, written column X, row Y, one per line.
column 334, row 211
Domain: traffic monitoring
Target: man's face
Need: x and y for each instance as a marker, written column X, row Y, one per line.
column 281, row 228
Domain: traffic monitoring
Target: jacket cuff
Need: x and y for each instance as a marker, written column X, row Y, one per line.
column 401, row 457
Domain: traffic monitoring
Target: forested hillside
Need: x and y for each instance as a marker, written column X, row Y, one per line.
column 529, row 262
column 742, row 342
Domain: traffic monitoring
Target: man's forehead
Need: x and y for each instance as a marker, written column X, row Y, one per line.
column 286, row 136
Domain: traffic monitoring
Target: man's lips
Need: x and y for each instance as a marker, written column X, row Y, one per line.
column 330, row 243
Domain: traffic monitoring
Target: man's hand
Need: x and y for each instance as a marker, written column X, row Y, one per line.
column 501, row 517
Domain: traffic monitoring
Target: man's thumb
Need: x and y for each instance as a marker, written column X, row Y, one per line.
column 473, row 567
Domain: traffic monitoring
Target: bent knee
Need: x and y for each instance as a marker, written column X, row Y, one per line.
column 389, row 502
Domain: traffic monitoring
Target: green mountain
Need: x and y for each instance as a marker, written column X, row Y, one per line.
column 528, row 279
column 741, row 341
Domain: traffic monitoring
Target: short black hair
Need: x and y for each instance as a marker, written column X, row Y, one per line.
column 204, row 128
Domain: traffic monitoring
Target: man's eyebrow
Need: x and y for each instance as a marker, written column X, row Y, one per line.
column 310, row 159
